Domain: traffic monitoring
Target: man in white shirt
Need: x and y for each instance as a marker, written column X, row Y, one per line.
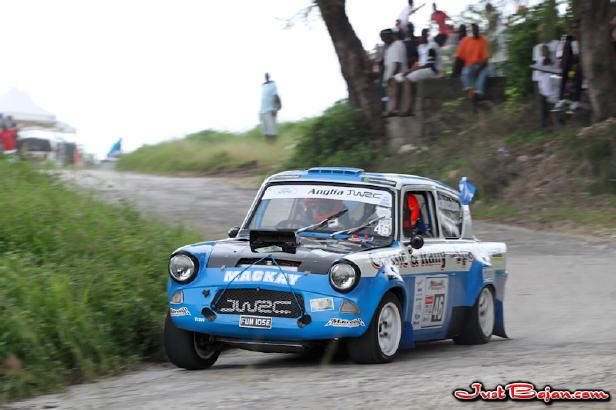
column 403, row 19
column 394, row 61
column 270, row 105
column 429, row 66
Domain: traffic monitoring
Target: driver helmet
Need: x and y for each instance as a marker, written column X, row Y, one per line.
column 412, row 205
column 318, row 209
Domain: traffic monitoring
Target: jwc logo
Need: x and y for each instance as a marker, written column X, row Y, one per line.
column 259, row 306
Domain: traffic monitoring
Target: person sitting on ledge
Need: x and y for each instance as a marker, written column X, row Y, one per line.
column 473, row 50
column 428, row 66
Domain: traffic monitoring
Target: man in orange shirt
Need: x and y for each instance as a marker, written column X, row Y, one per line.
column 473, row 51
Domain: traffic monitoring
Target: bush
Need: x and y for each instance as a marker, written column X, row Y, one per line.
column 339, row 137
column 526, row 30
column 82, row 284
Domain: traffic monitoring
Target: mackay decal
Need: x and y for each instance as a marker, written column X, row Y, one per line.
column 179, row 312
column 430, row 301
column 267, row 276
column 336, row 322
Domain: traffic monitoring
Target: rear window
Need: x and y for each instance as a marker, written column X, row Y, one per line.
column 450, row 216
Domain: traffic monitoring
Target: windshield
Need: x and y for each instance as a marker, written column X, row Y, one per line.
column 366, row 213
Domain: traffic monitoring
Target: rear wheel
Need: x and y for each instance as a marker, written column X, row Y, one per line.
column 480, row 321
column 189, row 350
column 380, row 342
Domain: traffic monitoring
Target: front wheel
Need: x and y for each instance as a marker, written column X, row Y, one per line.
column 188, row 350
column 480, row 321
column 380, row 342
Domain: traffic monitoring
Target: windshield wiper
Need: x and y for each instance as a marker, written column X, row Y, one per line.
column 323, row 222
column 357, row 228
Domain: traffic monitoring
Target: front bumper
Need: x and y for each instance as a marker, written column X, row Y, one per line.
column 324, row 325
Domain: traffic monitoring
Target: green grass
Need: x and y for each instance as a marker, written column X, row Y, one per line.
column 82, row 284
column 210, row 151
column 586, row 217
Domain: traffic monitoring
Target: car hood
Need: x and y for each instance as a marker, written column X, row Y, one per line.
column 234, row 253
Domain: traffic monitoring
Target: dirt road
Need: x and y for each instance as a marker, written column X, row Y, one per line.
column 560, row 313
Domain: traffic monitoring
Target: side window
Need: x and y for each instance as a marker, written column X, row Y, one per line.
column 450, row 216
column 418, row 215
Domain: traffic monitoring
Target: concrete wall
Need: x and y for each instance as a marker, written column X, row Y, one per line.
column 431, row 95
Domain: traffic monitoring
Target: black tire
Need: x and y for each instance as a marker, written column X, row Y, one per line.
column 181, row 349
column 472, row 333
column 366, row 349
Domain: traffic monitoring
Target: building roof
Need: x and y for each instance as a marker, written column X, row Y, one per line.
column 20, row 106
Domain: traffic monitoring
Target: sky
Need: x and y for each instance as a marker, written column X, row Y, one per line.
column 151, row 70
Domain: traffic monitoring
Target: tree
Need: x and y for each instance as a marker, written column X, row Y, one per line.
column 354, row 65
column 598, row 56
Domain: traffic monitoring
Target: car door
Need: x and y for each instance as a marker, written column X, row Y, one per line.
column 432, row 276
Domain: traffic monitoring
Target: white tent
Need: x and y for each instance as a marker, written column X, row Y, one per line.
column 27, row 114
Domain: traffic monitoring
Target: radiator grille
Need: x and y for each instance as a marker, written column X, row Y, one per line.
column 262, row 302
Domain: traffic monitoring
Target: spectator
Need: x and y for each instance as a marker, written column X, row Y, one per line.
column 571, row 65
column 474, row 52
column 439, row 17
column 429, row 66
column 270, row 105
column 461, row 33
column 403, row 19
column 394, row 61
column 547, row 85
column 410, row 42
column 6, row 122
column 458, row 63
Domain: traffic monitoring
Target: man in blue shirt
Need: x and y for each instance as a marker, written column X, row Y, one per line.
column 270, row 105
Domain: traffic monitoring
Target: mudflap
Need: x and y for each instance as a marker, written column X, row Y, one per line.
column 499, row 325
column 407, row 341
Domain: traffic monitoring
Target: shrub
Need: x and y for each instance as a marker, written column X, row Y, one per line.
column 82, row 283
column 339, row 137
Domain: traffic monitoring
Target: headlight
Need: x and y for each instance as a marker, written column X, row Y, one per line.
column 343, row 276
column 183, row 267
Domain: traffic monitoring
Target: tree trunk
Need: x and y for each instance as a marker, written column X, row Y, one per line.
column 598, row 56
column 355, row 66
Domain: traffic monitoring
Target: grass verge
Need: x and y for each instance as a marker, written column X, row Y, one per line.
column 209, row 152
column 82, row 284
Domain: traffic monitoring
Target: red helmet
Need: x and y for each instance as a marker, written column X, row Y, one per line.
column 413, row 207
column 320, row 208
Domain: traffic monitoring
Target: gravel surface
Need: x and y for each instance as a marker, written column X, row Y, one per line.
column 560, row 313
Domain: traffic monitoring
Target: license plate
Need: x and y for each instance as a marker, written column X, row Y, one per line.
column 256, row 322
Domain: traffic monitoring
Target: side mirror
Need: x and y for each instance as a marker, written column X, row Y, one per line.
column 417, row 242
column 233, row 231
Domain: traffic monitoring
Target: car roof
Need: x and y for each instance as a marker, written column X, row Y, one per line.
column 340, row 174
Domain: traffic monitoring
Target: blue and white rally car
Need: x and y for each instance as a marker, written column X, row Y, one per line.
column 377, row 261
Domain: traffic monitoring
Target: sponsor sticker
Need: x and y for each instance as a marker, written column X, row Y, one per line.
column 489, row 274
column 256, row 322
column 258, row 306
column 358, row 194
column 179, row 312
column 267, row 276
column 321, row 304
column 269, row 249
column 383, row 227
column 337, row 322
column 430, row 301
column 360, row 238
column 383, row 211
